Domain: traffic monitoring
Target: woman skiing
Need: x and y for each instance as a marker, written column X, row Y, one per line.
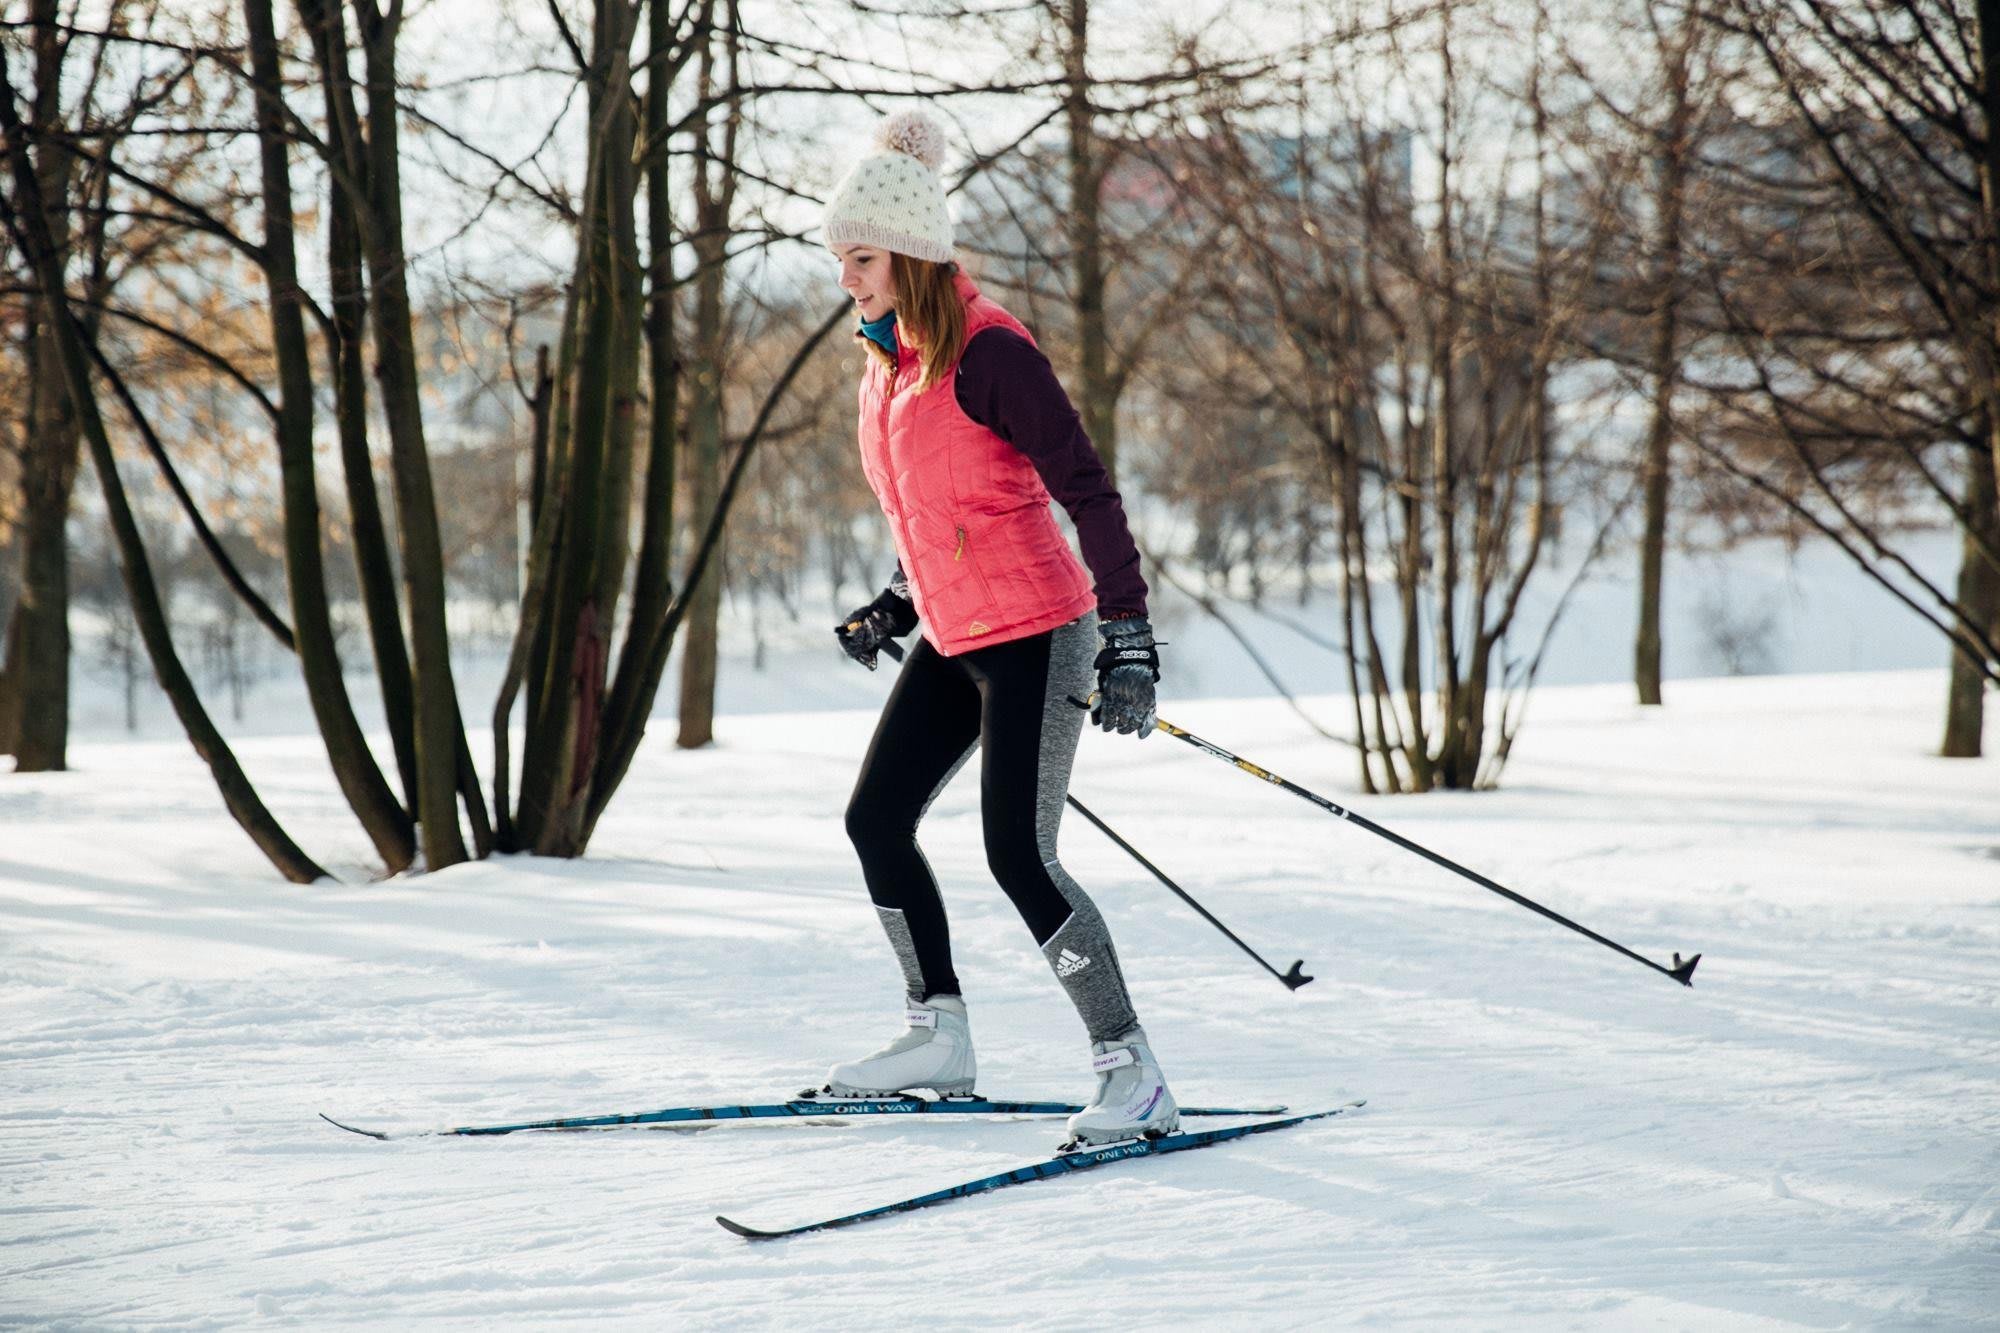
column 965, row 436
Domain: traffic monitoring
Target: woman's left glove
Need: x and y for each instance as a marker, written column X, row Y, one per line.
column 863, row 632
column 1127, row 669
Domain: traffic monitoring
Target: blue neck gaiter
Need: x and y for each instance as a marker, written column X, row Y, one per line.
column 882, row 332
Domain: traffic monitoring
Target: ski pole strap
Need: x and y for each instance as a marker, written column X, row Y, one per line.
column 1118, row 652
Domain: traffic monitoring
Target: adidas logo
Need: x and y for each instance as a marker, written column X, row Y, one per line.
column 1069, row 964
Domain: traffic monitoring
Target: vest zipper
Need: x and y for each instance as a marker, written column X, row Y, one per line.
column 959, row 554
column 888, row 401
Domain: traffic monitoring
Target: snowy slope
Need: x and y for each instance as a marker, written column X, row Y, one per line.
column 1556, row 1137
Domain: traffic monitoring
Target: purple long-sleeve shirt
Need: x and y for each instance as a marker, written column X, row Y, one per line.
column 1007, row 385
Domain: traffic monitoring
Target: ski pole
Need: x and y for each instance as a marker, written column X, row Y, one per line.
column 1681, row 971
column 1292, row 980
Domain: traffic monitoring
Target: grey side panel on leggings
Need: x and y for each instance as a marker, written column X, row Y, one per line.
column 1080, row 951
column 897, row 926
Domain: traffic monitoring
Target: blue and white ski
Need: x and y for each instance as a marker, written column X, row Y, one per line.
column 804, row 1105
column 1061, row 1164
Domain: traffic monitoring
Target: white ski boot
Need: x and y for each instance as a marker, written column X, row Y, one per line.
column 936, row 1053
column 1132, row 1099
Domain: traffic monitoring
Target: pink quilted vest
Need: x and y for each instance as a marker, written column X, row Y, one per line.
column 984, row 557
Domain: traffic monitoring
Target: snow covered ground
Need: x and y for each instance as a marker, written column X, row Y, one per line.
column 1555, row 1137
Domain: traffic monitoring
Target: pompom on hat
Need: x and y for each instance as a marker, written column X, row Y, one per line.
column 894, row 198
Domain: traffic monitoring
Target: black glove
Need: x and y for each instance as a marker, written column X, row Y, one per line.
column 865, row 632
column 1126, row 670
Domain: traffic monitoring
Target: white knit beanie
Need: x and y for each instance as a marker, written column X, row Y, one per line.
column 894, row 198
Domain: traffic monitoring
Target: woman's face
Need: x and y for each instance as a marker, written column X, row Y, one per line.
column 865, row 276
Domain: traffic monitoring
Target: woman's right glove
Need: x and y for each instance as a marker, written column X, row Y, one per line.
column 1126, row 671
column 863, row 632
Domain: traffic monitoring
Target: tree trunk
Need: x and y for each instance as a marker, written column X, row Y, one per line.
column 1988, row 16
column 1409, row 583
column 439, row 739
column 10, row 710
column 38, row 647
column 10, row 592
column 588, row 540
column 1447, row 766
column 1979, row 595
column 534, row 591
column 1097, row 395
column 360, row 780
column 1652, row 546
column 632, row 688
column 704, row 466
column 375, row 571
column 1665, row 368
column 628, row 329
column 1335, row 446
column 704, row 459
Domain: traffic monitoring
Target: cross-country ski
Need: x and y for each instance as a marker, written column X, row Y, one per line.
column 802, row 1107
column 1062, row 1163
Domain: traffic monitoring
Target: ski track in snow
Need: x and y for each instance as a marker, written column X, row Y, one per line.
column 1810, row 1138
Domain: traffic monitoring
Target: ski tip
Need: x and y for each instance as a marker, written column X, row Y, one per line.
column 364, row 1133
column 1294, row 978
column 748, row 1233
column 1683, row 972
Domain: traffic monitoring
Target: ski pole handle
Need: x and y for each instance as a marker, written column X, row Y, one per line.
column 889, row 646
column 1087, row 704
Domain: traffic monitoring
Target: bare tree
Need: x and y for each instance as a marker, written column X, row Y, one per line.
column 1405, row 362
column 346, row 335
column 34, row 682
column 361, row 781
column 26, row 218
column 1679, row 47
column 714, row 201
column 1893, row 109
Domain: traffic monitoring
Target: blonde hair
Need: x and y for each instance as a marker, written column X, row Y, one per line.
column 929, row 313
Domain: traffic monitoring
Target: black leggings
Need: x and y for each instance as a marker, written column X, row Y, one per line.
column 1009, row 702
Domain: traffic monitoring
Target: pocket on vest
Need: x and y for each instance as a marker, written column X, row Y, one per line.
column 960, row 589
column 1024, row 561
